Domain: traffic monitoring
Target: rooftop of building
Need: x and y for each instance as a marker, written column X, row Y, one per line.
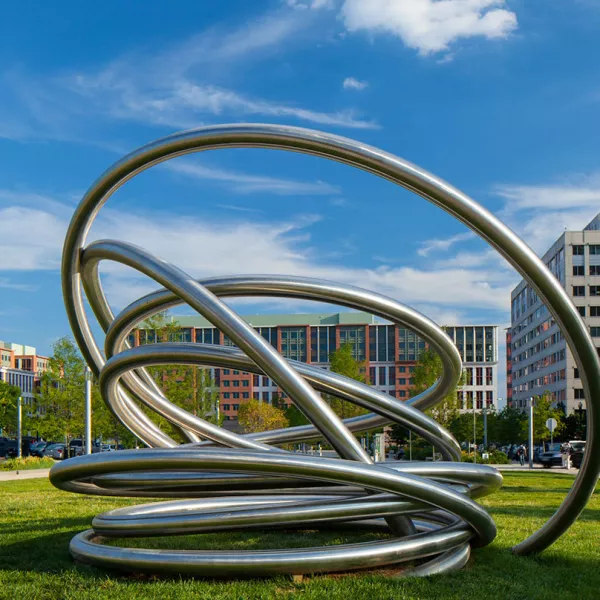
column 19, row 349
column 311, row 319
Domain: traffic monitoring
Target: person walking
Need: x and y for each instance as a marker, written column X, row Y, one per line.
column 565, row 450
column 521, row 455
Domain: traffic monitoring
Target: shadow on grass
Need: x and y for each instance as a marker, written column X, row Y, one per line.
column 494, row 564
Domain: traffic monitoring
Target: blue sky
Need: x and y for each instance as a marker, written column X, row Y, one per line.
column 499, row 98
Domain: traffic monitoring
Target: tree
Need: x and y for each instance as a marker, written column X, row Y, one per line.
column 189, row 387
column 9, row 396
column 343, row 362
column 542, row 411
column 427, row 371
column 510, row 426
column 255, row 416
column 58, row 409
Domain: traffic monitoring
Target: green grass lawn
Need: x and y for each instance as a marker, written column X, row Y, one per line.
column 37, row 522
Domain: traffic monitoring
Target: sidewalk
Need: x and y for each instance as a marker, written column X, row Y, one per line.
column 536, row 467
column 27, row 474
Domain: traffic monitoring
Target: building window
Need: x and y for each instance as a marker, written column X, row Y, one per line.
column 594, row 269
column 579, row 394
column 579, row 290
column 226, row 371
column 256, row 395
column 594, row 311
column 578, row 250
column 293, row 343
column 236, row 407
column 594, row 290
column 578, row 270
column 401, row 369
column 581, row 310
column 355, row 336
column 236, row 395
column 595, row 249
column 256, row 380
column 245, row 383
column 489, row 378
column 595, row 331
column 226, row 394
column 401, row 381
column 576, row 372
column 236, row 383
column 226, row 383
column 402, row 393
column 246, row 395
column 236, row 372
column 225, row 407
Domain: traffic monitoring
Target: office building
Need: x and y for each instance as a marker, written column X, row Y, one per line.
column 389, row 353
column 21, row 366
column 541, row 360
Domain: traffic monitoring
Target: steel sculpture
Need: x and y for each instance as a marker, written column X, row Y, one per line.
column 223, row 481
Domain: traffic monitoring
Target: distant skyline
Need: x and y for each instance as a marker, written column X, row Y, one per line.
column 490, row 95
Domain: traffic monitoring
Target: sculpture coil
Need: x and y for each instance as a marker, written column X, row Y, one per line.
column 224, row 481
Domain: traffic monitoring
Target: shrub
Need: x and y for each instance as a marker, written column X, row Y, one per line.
column 495, row 458
column 30, row 462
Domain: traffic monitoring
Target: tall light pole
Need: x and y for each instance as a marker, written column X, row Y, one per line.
column 19, row 427
column 88, row 410
column 530, row 406
column 474, row 430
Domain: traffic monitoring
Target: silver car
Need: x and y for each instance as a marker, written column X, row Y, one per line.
column 55, row 451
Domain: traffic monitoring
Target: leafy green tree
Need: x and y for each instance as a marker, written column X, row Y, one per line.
column 58, row 409
column 427, row 371
column 509, row 427
column 542, row 411
column 343, row 362
column 9, row 396
column 255, row 416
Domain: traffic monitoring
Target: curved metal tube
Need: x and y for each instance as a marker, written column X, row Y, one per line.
column 324, row 491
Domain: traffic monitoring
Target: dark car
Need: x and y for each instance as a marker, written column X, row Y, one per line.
column 37, row 448
column 552, row 456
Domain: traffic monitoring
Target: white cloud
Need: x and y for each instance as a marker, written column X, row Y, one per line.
column 430, row 25
column 177, row 87
column 443, row 244
column 7, row 284
column 243, row 183
column 540, row 213
column 350, row 83
column 207, row 247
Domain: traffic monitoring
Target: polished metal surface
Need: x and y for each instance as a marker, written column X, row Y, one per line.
column 225, row 481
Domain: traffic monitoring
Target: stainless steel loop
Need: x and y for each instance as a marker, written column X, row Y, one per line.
column 248, row 481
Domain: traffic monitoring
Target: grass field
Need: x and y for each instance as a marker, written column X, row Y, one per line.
column 37, row 522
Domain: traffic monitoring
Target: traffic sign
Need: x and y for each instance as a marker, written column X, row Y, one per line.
column 551, row 424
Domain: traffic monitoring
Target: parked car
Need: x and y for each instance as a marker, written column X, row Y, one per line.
column 76, row 447
column 552, row 457
column 55, row 451
column 37, row 449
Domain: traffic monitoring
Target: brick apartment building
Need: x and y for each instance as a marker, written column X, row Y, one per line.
column 389, row 353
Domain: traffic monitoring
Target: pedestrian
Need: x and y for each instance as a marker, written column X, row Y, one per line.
column 521, row 455
column 565, row 450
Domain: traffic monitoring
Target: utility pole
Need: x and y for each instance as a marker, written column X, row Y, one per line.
column 530, row 406
column 88, row 410
column 474, row 431
column 19, row 427
column 485, row 440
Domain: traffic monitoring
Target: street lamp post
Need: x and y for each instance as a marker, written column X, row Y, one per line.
column 530, row 406
column 88, row 410
column 19, row 427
